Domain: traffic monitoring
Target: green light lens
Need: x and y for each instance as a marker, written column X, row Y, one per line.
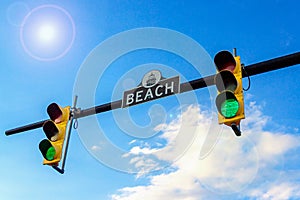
column 50, row 153
column 47, row 149
column 229, row 108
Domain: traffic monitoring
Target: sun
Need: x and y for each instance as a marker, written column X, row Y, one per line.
column 47, row 33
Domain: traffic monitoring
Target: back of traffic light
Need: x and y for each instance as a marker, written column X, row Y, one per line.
column 230, row 98
column 55, row 131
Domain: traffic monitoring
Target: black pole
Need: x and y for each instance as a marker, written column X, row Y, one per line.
column 68, row 136
column 25, row 128
column 272, row 64
column 250, row 70
column 99, row 109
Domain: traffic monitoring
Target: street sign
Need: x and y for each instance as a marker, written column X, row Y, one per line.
column 153, row 86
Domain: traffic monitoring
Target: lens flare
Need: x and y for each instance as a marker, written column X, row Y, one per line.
column 47, row 32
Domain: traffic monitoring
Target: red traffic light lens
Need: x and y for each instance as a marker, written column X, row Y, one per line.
column 224, row 60
column 54, row 112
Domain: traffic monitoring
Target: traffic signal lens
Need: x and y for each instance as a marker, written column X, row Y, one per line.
column 229, row 108
column 224, row 61
column 51, row 130
column 47, row 149
column 50, row 153
column 54, row 112
column 225, row 80
column 227, row 104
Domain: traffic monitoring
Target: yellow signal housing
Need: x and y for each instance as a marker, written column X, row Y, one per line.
column 230, row 98
column 238, row 93
column 55, row 130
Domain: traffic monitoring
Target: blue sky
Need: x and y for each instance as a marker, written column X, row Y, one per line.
column 47, row 45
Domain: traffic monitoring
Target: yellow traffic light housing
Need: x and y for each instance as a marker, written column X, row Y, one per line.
column 55, row 130
column 230, row 98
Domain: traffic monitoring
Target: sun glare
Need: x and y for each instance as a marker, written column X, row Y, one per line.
column 47, row 33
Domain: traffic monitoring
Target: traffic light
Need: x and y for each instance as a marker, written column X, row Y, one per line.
column 230, row 98
column 55, row 130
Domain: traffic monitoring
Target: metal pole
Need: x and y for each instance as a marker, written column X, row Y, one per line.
column 62, row 169
column 25, row 128
column 69, row 134
column 272, row 64
column 250, row 70
column 234, row 52
column 258, row 68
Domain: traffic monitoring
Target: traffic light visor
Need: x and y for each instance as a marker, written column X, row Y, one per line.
column 224, row 60
column 227, row 104
column 54, row 111
column 47, row 150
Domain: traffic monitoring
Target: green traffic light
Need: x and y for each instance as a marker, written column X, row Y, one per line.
column 50, row 153
column 47, row 149
column 229, row 108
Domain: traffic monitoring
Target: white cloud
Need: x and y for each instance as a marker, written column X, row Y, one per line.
column 280, row 191
column 138, row 150
column 236, row 166
column 275, row 144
